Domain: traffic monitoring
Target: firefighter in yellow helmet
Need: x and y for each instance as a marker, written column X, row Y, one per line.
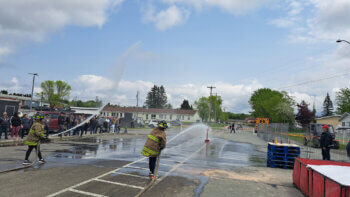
column 36, row 133
column 156, row 141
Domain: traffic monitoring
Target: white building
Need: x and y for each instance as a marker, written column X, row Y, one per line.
column 345, row 121
column 145, row 114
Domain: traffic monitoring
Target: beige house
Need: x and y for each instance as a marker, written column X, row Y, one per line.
column 144, row 114
column 332, row 120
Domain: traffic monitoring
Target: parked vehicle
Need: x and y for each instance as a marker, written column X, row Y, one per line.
column 175, row 123
column 153, row 124
column 313, row 135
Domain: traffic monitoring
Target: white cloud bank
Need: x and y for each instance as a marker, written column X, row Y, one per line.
column 88, row 86
column 33, row 20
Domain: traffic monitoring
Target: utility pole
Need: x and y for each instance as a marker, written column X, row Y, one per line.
column 137, row 107
column 31, row 98
column 211, row 92
column 216, row 96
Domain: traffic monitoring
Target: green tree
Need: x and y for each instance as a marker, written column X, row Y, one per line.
column 186, row 105
column 55, row 92
column 89, row 103
column 272, row 104
column 216, row 111
column 156, row 98
column 234, row 116
column 327, row 106
column 203, row 108
column 343, row 100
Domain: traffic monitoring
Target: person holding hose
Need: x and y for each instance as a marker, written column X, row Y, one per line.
column 156, row 142
column 36, row 133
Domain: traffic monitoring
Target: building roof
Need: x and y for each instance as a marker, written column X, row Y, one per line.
column 150, row 110
column 17, row 97
column 325, row 117
column 344, row 116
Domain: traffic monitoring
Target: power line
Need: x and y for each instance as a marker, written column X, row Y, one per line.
column 316, row 80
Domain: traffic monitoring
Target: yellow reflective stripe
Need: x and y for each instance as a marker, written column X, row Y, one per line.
column 145, row 153
column 31, row 143
column 150, row 151
column 153, row 138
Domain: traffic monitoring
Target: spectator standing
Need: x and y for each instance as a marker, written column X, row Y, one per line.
column 68, row 123
column 27, row 123
column 100, row 124
column 348, row 149
column 93, row 125
column 61, row 122
column 113, row 123
column 47, row 125
column 16, row 125
column 4, row 125
column 106, row 124
column 326, row 143
column 86, row 126
column 75, row 123
column 117, row 127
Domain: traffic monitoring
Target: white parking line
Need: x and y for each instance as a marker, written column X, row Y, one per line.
column 135, row 167
column 86, row 193
column 117, row 183
column 87, row 181
column 133, row 175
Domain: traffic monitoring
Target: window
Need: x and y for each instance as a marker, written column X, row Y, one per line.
column 183, row 117
column 121, row 115
column 160, row 116
column 164, row 116
column 343, row 124
column 146, row 116
column 189, row 118
column 153, row 116
column 170, row 116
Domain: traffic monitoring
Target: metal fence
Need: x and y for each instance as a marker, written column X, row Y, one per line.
column 284, row 133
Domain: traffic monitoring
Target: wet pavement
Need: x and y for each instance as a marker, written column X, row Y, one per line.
column 182, row 164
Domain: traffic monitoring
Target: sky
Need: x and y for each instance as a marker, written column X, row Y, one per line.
column 114, row 48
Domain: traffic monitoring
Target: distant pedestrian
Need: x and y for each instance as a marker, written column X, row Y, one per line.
column 232, row 127
column 348, row 149
column 27, row 123
column 326, row 143
column 47, row 125
column 16, row 125
column 4, row 125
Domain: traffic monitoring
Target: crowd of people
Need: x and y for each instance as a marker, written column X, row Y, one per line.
column 95, row 125
column 17, row 127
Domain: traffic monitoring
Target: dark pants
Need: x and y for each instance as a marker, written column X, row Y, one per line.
column 152, row 163
column 81, row 130
column 233, row 129
column 30, row 148
column 4, row 129
column 68, row 127
column 92, row 129
column 326, row 154
column 24, row 132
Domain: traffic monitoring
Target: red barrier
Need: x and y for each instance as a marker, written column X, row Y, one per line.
column 312, row 183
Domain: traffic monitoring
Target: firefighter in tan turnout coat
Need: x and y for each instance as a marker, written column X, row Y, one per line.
column 155, row 143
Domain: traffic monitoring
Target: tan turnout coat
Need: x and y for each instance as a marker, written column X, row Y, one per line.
column 35, row 134
column 155, row 142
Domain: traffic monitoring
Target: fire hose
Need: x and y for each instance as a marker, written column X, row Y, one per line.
column 153, row 180
column 26, row 166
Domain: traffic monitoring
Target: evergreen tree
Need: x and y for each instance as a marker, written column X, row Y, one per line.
column 156, row 98
column 327, row 106
column 186, row 105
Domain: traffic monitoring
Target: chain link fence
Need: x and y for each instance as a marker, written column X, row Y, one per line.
column 284, row 133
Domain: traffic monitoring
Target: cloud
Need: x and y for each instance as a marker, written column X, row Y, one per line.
column 231, row 6
column 168, row 18
column 34, row 20
column 89, row 86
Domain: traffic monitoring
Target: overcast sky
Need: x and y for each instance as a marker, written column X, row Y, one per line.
column 114, row 48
